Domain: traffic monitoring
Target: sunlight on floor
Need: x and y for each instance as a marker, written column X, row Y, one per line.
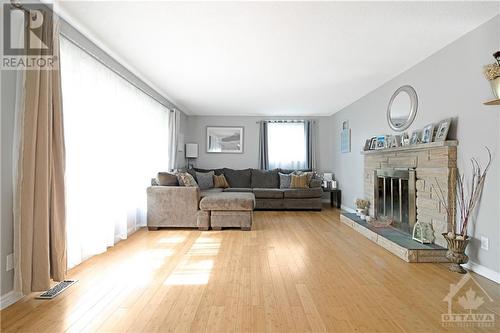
column 195, row 268
column 172, row 240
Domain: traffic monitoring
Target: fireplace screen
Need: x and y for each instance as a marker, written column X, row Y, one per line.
column 394, row 197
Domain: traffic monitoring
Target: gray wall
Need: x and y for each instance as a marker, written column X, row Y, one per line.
column 8, row 86
column 249, row 159
column 450, row 83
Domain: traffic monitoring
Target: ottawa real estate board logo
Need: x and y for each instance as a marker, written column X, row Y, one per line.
column 27, row 36
column 468, row 305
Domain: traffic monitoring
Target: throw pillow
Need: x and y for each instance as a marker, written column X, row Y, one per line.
column 285, row 180
column 205, row 180
column 309, row 174
column 299, row 181
column 167, row 179
column 186, row 179
column 220, row 181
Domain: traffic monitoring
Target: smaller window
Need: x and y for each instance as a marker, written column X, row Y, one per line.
column 287, row 145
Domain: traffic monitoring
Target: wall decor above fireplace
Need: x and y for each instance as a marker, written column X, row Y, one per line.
column 402, row 108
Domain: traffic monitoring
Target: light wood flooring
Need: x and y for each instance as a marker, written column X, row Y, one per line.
column 294, row 272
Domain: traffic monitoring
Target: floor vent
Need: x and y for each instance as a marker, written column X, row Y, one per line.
column 56, row 290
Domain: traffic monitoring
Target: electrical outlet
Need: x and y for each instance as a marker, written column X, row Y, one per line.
column 9, row 265
column 485, row 243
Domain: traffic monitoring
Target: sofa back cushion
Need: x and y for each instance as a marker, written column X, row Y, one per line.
column 265, row 179
column 205, row 180
column 216, row 171
column 167, row 179
column 238, row 178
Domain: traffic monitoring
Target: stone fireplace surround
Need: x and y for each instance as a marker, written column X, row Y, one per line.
column 433, row 162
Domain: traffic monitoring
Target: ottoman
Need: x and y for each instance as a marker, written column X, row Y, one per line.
column 229, row 209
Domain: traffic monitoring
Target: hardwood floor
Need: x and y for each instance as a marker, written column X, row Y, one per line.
column 295, row 271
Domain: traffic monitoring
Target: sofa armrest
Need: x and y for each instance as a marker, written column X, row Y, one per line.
column 172, row 206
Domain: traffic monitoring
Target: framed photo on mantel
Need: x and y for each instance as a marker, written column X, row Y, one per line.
column 225, row 139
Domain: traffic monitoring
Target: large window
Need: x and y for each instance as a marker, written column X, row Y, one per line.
column 287, row 145
column 116, row 140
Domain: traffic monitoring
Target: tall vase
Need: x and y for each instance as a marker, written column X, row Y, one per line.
column 495, row 86
column 456, row 253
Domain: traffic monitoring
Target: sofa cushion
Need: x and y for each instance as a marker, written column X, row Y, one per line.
column 299, row 181
column 228, row 201
column 220, row 181
column 216, row 171
column 238, row 189
column 265, row 179
column 298, row 193
column 238, row 178
column 185, row 179
column 288, row 171
column 204, row 193
column 167, row 179
column 285, row 180
column 268, row 193
column 205, row 180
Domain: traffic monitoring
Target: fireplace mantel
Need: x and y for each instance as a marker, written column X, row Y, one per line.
column 420, row 146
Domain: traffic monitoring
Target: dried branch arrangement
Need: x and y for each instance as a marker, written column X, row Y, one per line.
column 467, row 196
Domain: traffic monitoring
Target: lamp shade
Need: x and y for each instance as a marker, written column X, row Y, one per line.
column 191, row 150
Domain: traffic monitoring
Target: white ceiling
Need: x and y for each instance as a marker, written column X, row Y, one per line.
column 272, row 58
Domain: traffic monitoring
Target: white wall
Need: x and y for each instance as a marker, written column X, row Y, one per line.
column 250, row 157
column 450, row 83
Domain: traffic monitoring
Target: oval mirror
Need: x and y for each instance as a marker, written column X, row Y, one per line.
column 402, row 108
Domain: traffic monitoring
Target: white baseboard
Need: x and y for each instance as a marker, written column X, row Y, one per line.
column 10, row 298
column 483, row 271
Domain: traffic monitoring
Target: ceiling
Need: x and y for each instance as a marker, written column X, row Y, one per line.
column 272, row 58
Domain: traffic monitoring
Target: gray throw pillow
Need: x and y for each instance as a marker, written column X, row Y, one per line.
column 285, row 180
column 205, row 180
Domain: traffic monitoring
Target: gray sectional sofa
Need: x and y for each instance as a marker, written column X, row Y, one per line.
column 265, row 185
column 179, row 206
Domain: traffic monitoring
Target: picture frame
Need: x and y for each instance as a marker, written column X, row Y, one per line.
column 345, row 140
column 373, row 143
column 415, row 137
column 380, row 142
column 367, row 144
column 225, row 139
column 428, row 133
column 442, row 130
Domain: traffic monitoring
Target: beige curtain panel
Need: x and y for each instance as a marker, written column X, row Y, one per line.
column 39, row 213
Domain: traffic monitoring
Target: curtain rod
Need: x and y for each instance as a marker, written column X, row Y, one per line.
column 285, row 121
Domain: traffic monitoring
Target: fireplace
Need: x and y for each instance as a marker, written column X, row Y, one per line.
column 395, row 196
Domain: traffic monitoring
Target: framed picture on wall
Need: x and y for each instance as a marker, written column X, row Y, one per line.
column 225, row 139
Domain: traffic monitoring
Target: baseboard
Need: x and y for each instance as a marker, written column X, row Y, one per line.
column 10, row 298
column 483, row 271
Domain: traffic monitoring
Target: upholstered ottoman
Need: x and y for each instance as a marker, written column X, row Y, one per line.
column 229, row 209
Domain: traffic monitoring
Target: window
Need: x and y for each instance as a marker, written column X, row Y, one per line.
column 287, row 145
column 116, row 140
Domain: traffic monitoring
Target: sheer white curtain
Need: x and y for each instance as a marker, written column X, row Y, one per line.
column 116, row 141
column 287, row 145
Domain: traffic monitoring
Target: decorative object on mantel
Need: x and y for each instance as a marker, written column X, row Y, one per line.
column 362, row 208
column 492, row 73
column 422, row 233
column 428, row 133
column 442, row 130
column 415, row 137
column 468, row 198
column 402, row 108
column 345, row 138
